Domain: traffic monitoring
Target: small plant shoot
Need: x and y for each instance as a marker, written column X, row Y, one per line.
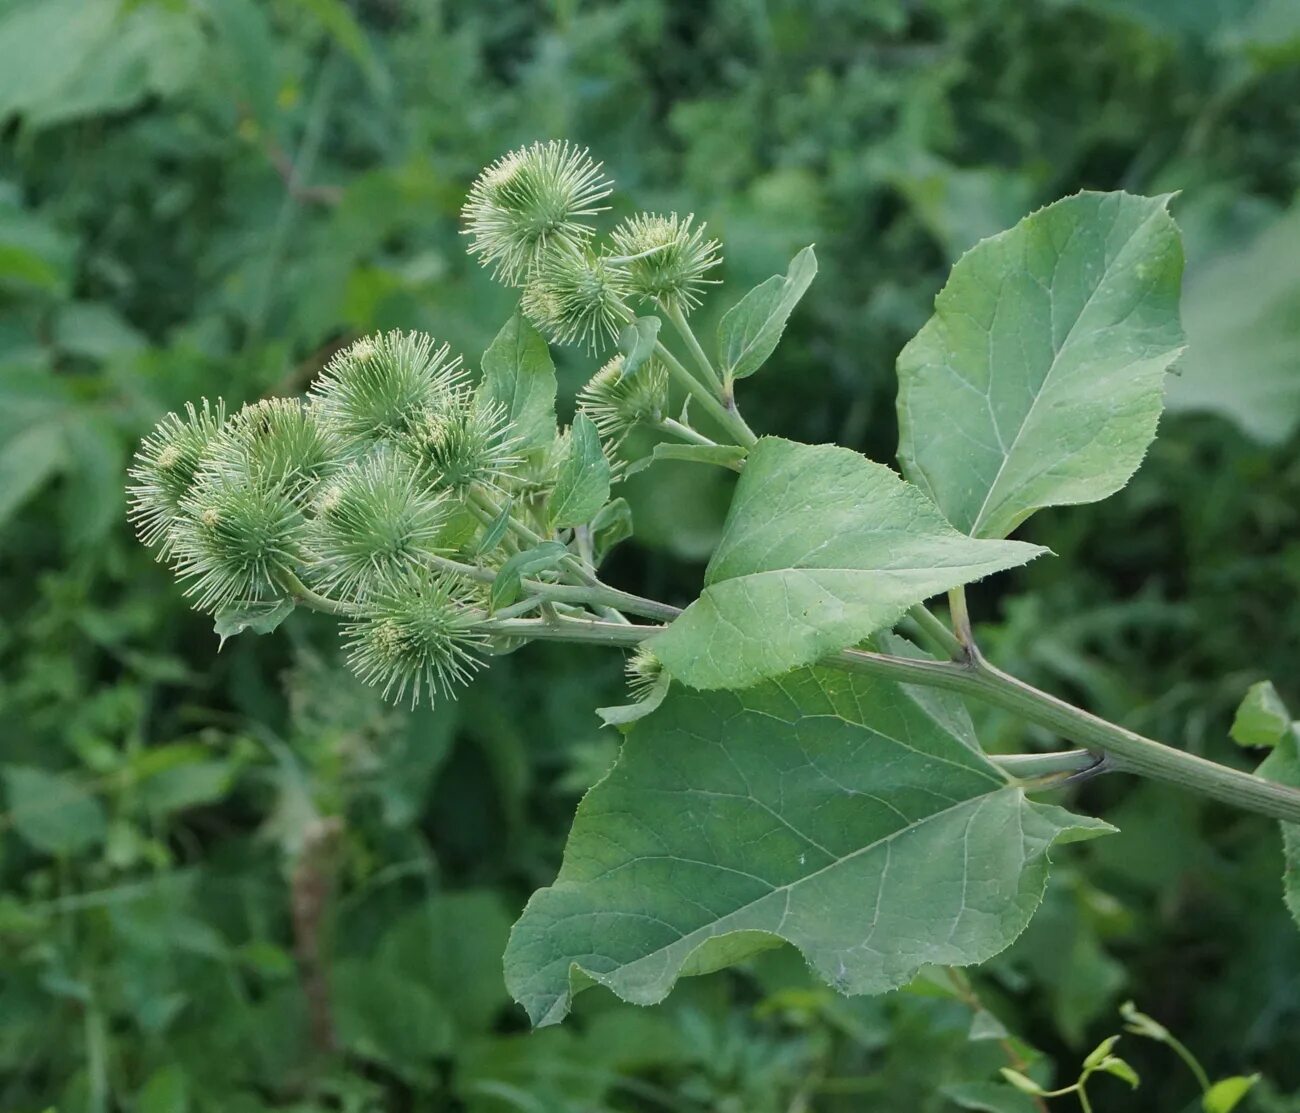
column 798, row 763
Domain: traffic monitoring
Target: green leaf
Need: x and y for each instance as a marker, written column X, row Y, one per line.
column 1038, row 380
column 495, row 530
column 518, row 373
column 826, row 809
column 1022, row 1082
column 637, row 342
column 1262, row 718
column 1120, row 1069
column 582, row 481
column 1226, row 1094
column 628, row 713
column 1098, row 1054
column 751, row 329
column 612, row 524
column 261, row 618
column 53, row 813
column 822, row 548
column 506, row 587
column 718, row 455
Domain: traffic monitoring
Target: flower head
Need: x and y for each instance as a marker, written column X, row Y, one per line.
column 164, row 470
column 418, row 635
column 277, row 441
column 235, row 538
column 643, row 671
column 462, row 440
column 371, row 521
column 576, row 296
column 529, row 201
column 667, row 258
column 617, row 403
column 374, row 390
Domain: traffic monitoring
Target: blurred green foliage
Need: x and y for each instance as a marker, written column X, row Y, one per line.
column 238, row 882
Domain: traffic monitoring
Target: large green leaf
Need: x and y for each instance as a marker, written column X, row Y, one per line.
column 519, row 374
column 829, row 810
column 822, row 548
column 1038, row 381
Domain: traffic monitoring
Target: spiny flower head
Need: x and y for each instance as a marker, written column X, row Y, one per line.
column 164, row 469
column 236, row 537
column 373, row 520
column 616, row 402
column 576, row 296
column 372, row 391
column 276, row 440
column 461, row 441
column 667, row 258
column 530, row 201
column 418, row 635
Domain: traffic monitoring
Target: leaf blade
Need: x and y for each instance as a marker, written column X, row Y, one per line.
column 751, row 329
column 518, row 374
column 582, row 482
column 854, row 801
column 1038, row 381
column 821, row 549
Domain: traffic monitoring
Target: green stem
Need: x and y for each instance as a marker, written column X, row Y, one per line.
column 1193, row 1064
column 935, row 629
column 1027, row 767
column 683, row 326
column 685, row 432
column 961, row 620
column 303, row 594
column 729, row 419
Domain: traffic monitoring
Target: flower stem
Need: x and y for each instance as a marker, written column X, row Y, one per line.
column 729, row 419
column 303, row 594
column 937, row 632
column 683, row 326
column 684, row 432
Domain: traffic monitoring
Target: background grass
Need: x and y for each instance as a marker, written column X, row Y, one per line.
column 239, row 883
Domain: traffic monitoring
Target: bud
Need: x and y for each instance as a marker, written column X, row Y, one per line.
column 370, row 522
column 667, row 258
column 576, row 296
column 529, row 202
column 418, row 635
column 617, row 403
column 276, row 440
column 164, row 469
column 461, row 441
column 374, row 390
column 235, row 536
column 643, row 671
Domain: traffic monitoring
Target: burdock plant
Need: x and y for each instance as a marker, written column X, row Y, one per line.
column 798, row 761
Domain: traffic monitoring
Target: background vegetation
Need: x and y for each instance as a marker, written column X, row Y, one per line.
column 239, row 883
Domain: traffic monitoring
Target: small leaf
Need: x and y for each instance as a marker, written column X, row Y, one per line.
column 1283, row 766
column 628, row 713
column 518, row 374
column 1120, row 1069
column 508, row 584
column 821, row 548
column 582, row 482
column 1262, row 719
column 751, row 329
column 612, row 524
column 495, row 531
column 827, row 809
column 1039, row 379
column 52, row 812
column 637, row 342
column 1023, row 1083
column 1099, row 1053
column 1226, row 1094
column 989, row 1097
column 719, row 455
column 985, row 1026
column 1142, row 1025
column 261, row 618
